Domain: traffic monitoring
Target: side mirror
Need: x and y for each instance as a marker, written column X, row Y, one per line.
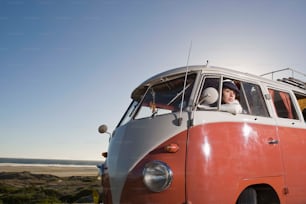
column 102, row 129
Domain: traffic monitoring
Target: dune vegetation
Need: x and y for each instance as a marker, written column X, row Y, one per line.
column 25, row 187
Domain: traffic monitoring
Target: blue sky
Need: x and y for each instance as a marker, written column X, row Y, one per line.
column 68, row 66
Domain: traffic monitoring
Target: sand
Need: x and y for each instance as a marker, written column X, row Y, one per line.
column 61, row 171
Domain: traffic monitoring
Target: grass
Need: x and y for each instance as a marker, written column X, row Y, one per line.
column 41, row 189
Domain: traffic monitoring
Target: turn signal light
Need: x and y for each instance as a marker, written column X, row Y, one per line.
column 104, row 154
column 172, row 148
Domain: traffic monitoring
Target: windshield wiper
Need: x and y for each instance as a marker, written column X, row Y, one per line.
column 178, row 94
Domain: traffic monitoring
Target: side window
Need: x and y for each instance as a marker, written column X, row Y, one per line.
column 248, row 97
column 254, row 103
column 283, row 105
column 301, row 98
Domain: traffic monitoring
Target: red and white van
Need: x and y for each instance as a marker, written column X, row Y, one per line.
column 170, row 148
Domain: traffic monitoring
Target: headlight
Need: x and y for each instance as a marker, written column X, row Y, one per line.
column 157, row 176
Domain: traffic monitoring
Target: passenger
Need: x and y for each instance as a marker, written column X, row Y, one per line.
column 229, row 101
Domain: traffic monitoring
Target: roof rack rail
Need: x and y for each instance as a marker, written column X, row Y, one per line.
column 290, row 80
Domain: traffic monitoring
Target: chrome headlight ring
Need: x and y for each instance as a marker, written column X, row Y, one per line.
column 157, row 176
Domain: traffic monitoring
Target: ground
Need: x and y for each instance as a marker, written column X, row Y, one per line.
column 27, row 187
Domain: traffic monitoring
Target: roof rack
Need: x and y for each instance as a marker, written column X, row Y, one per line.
column 290, row 80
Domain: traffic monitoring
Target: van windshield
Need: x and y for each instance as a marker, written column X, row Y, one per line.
column 161, row 98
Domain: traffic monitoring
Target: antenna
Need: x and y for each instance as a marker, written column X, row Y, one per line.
column 206, row 63
column 185, row 81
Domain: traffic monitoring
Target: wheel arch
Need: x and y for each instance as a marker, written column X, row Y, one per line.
column 259, row 193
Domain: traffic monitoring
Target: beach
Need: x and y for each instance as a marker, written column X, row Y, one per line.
column 49, row 184
column 60, row 170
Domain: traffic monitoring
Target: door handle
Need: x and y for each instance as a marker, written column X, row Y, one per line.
column 272, row 141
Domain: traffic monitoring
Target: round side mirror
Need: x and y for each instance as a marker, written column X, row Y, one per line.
column 102, row 129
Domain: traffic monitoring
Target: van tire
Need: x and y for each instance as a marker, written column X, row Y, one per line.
column 248, row 196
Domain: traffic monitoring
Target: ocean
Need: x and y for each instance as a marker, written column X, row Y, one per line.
column 47, row 162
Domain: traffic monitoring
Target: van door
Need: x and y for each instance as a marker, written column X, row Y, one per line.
column 292, row 133
column 227, row 153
